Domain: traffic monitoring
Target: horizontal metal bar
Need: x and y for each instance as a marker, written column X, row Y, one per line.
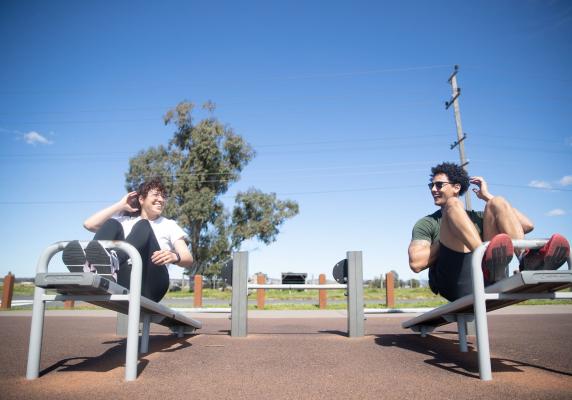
column 204, row 310
column 528, row 296
column 94, row 297
column 455, row 71
column 452, row 101
column 300, row 287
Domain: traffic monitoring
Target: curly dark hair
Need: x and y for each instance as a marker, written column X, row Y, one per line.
column 152, row 184
column 455, row 173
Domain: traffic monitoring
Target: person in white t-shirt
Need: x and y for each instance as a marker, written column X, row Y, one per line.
column 136, row 218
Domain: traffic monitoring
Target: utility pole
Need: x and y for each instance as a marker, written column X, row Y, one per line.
column 461, row 136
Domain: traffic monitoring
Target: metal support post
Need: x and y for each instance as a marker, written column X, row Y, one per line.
column 462, row 328
column 121, row 324
column 37, row 327
column 355, row 294
column 480, row 308
column 239, row 306
column 144, row 348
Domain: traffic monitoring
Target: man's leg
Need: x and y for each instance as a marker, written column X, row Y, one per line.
column 451, row 276
column 499, row 217
column 457, row 231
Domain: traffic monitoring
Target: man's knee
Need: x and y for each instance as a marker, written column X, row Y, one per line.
column 497, row 205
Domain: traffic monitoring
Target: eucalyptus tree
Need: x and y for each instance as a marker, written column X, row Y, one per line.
column 198, row 166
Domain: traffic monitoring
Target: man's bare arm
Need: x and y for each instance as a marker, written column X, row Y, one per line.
column 422, row 254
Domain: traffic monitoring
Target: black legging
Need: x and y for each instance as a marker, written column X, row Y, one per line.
column 155, row 278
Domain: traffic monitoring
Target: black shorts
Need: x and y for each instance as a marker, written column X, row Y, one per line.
column 451, row 275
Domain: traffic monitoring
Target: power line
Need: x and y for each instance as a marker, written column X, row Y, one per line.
column 109, row 121
column 178, row 84
column 380, row 140
column 366, row 189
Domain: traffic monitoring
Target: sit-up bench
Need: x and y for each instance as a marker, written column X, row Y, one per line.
column 103, row 292
column 515, row 289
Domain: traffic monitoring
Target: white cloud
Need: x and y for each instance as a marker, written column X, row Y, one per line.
column 566, row 180
column 557, row 212
column 540, row 184
column 34, row 138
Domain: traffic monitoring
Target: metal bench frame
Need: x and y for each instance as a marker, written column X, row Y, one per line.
column 497, row 295
column 138, row 307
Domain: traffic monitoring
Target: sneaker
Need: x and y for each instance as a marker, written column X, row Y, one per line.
column 531, row 260
column 74, row 258
column 557, row 251
column 104, row 262
column 551, row 256
column 497, row 257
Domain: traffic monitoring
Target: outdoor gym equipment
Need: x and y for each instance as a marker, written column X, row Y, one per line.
column 95, row 289
column 515, row 289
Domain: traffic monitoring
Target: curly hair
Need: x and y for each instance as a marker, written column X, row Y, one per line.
column 455, row 173
column 143, row 190
column 152, row 184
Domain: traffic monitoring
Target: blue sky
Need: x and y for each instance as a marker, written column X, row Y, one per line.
column 343, row 102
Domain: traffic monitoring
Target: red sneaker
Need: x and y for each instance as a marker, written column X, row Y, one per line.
column 497, row 257
column 555, row 251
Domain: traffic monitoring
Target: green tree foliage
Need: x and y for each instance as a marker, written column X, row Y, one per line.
column 198, row 166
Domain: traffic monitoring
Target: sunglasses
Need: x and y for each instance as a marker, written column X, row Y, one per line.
column 438, row 185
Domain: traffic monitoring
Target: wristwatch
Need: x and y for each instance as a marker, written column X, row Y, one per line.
column 178, row 258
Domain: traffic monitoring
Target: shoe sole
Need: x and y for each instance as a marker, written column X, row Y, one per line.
column 557, row 252
column 498, row 255
column 98, row 257
column 74, row 257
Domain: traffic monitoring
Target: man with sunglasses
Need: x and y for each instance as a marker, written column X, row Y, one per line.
column 443, row 240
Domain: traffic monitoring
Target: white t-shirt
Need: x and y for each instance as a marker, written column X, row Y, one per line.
column 166, row 230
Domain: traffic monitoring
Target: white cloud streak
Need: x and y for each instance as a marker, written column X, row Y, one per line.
column 34, row 138
column 540, row 184
column 557, row 212
column 566, row 180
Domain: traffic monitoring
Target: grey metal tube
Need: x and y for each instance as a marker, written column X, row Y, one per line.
column 483, row 346
column 462, row 328
column 134, row 305
column 38, row 311
column 294, row 286
column 239, row 309
column 355, row 294
column 144, row 348
column 480, row 308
